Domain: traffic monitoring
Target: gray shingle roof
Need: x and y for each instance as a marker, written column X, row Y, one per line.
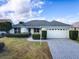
column 38, row 23
column 45, row 23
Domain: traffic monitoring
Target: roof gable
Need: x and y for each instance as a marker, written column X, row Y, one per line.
column 57, row 23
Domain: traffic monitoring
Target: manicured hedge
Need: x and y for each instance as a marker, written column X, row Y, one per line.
column 73, row 34
column 44, row 34
column 36, row 36
column 18, row 35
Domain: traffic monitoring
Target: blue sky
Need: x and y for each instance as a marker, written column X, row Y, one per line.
column 3, row 2
column 61, row 10
column 61, row 7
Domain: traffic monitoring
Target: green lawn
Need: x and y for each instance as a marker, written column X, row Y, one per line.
column 20, row 48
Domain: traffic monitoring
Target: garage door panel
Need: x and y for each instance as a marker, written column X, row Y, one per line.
column 57, row 34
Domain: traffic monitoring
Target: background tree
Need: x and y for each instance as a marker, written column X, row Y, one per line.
column 5, row 26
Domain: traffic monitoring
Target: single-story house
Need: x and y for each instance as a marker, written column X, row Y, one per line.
column 54, row 29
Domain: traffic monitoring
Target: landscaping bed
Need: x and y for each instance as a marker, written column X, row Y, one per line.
column 20, row 48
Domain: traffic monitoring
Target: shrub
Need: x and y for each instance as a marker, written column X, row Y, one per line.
column 44, row 34
column 18, row 35
column 36, row 36
column 73, row 34
column 2, row 45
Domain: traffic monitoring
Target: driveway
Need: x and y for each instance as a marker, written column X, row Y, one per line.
column 63, row 48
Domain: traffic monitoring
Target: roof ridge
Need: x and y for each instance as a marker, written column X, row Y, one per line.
column 37, row 20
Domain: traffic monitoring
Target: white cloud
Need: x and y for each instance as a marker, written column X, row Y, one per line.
column 40, row 18
column 21, row 9
column 68, row 19
column 40, row 11
column 37, row 3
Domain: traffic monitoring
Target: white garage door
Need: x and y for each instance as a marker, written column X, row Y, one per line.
column 57, row 34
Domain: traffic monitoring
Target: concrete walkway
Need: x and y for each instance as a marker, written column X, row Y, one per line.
column 63, row 48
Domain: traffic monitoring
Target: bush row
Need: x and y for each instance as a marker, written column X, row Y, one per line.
column 37, row 36
column 18, row 35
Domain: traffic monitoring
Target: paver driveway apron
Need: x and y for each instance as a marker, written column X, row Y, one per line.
column 63, row 48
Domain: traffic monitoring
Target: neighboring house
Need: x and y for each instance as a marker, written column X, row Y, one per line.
column 76, row 25
column 54, row 29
